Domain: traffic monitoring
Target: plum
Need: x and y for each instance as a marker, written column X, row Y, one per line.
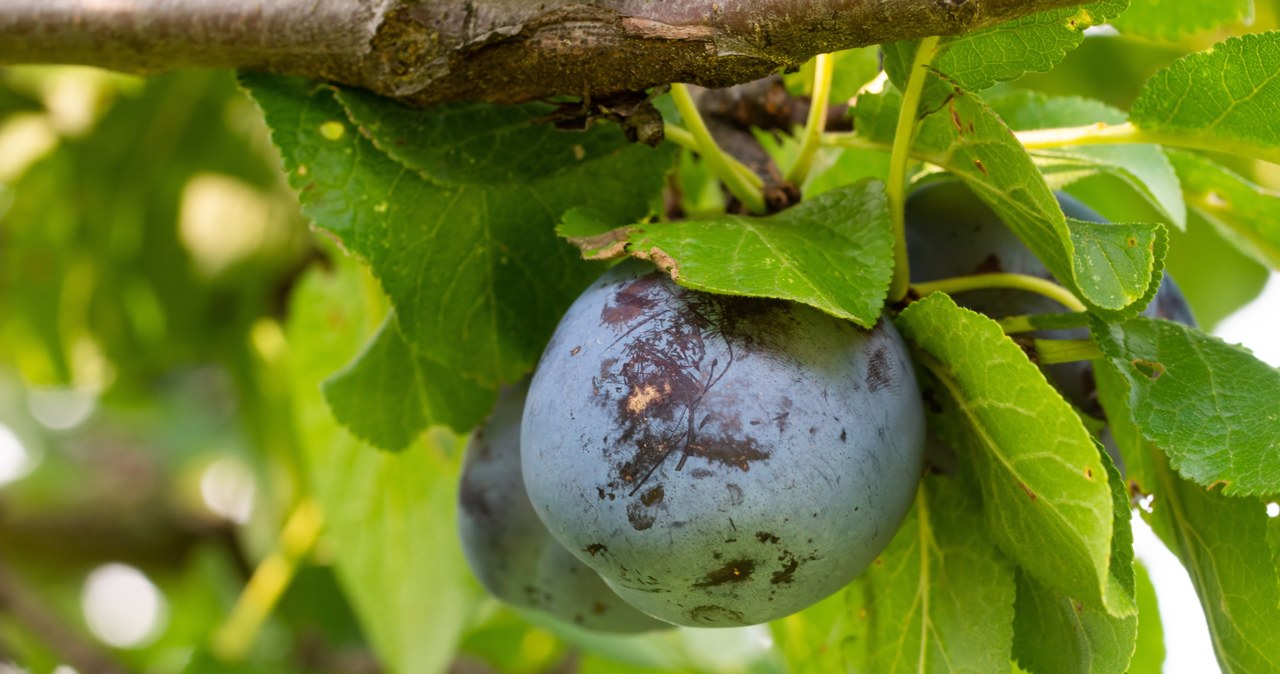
column 720, row 461
column 951, row 232
column 509, row 549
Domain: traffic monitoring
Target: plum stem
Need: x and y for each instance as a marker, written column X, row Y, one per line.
column 854, row 140
column 684, row 139
column 1032, row 322
column 1127, row 133
column 745, row 190
column 1054, row 351
column 232, row 640
column 816, row 124
column 896, row 188
column 1034, row 284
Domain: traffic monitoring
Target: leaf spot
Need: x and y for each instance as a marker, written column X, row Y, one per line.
column 333, row 130
column 1149, row 369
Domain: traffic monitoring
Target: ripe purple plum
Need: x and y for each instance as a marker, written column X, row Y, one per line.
column 509, row 549
column 718, row 460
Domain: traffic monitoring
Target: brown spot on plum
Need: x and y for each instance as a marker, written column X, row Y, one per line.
column 653, row 496
column 735, row 494
column 633, row 300
column 786, row 574
column 671, row 361
column 766, row 537
column 639, row 517
column 714, row 615
column 844, row 435
column 575, row 351
column 700, row 473
column 606, row 366
column 640, row 398
column 879, row 369
column 595, row 549
column 731, row 572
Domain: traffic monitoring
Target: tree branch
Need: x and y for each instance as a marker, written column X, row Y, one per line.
column 425, row 52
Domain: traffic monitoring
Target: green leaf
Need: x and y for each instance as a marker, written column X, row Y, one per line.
column 1221, row 540
column 969, row 140
column 834, row 252
column 1056, row 634
column 1244, row 213
column 940, row 597
column 1145, row 168
column 1212, row 407
column 389, row 517
column 390, row 394
column 454, row 210
column 975, row 61
column 1214, row 276
column 100, row 261
column 1164, row 20
column 1149, row 651
column 1121, row 258
column 829, row 636
column 1045, row 491
column 1224, row 99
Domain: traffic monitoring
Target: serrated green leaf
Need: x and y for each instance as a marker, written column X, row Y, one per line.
column 1054, row 634
column 389, row 517
column 969, row 140
column 1212, row 407
column 1244, row 213
column 390, row 394
column 1214, row 276
column 1143, row 167
column 1044, row 488
column 940, row 597
column 1221, row 541
column 833, row 252
column 1167, row 19
column 454, row 210
column 1223, row 99
column 975, row 61
column 1121, row 259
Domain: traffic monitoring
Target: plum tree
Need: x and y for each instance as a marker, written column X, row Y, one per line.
column 509, row 549
column 719, row 460
column 951, row 232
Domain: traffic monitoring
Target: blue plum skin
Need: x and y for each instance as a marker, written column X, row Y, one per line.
column 719, row 461
column 509, row 550
column 951, row 232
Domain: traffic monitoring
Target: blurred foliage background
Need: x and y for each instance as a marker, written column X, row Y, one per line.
column 165, row 321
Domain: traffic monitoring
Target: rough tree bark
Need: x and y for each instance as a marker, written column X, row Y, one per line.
column 428, row 51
